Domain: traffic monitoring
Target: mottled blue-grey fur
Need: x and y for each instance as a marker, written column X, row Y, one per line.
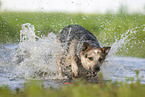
column 78, row 33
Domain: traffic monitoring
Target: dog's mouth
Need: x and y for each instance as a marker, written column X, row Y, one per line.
column 86, row 72
column 91, row 74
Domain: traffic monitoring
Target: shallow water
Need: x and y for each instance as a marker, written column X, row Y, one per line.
column 120, row 68
column 22, row 62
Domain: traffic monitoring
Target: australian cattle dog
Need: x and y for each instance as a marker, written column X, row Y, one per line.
column 83, row 54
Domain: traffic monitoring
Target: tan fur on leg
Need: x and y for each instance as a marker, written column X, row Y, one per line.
column 74, row 67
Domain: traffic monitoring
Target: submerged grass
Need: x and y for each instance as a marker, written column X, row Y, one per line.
column 108, row 28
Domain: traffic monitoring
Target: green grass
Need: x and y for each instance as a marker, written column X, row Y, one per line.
column 79, row 88
column 107, row 27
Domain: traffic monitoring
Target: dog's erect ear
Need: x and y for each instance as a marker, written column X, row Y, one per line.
column 85, row 46
column 106, row 49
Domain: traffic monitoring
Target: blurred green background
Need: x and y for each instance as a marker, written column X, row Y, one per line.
column 108, row 28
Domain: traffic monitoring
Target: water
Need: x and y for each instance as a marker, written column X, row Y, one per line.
column 34, row 58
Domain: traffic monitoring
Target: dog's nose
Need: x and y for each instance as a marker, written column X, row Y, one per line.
column 96, row 68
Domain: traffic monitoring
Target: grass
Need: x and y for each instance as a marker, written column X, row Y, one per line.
column 108, row 28
column 79, row 88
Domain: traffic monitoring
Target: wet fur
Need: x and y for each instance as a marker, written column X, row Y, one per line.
column 82, row 51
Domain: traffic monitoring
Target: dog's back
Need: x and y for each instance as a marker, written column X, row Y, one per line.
column 78, row 33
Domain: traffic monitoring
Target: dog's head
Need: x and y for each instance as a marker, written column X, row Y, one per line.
column 93, row 57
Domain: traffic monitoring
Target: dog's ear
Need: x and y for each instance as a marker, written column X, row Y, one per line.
column 86, row 46
column 106, row 50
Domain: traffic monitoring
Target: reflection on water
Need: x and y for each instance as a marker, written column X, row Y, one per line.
column 20, row 62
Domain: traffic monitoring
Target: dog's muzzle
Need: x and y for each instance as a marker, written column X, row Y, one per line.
column 93, row 72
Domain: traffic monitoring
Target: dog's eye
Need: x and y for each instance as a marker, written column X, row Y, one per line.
column 90, row 58
column 86, row 55
column 100, row 59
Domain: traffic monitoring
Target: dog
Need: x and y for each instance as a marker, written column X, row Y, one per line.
column 83, row 54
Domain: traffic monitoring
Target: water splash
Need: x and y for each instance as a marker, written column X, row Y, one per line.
column 110, row 67
column 121, row 43
column 36, row 56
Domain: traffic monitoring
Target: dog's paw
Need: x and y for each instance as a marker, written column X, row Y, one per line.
column 76, row 75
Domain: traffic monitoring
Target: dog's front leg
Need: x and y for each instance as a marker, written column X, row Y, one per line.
column 74, row 66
